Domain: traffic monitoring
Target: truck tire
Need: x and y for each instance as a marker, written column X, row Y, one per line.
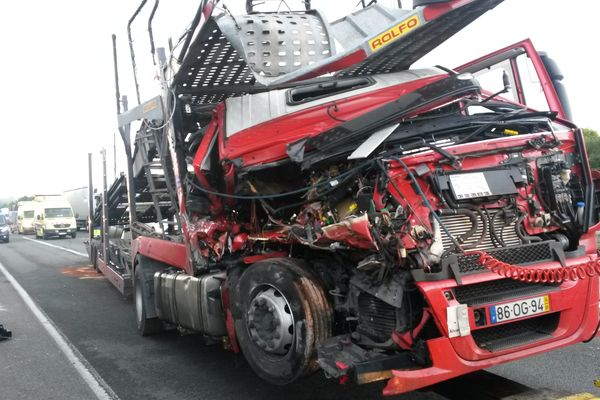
column 146, row 326
column 74, row 234
column 281, row 315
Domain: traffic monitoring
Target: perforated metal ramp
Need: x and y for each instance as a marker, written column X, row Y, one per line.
column 232, row 56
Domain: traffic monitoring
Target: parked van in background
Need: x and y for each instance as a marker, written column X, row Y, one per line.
column 25, row 217
column 54, row 217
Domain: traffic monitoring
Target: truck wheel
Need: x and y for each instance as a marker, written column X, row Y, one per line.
column 74, row 234
column 146, row 326
column 281, row 316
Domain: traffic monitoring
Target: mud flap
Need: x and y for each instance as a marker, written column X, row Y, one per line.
column 148, row 268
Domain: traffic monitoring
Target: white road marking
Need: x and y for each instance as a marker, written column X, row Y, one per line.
column 81, row 365
column 78, row 253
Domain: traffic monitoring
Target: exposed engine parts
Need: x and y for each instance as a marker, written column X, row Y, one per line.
column 370, row 230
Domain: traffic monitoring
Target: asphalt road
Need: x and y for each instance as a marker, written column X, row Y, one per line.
column 99, row 324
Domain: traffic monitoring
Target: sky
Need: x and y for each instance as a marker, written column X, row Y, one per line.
column 58, row 79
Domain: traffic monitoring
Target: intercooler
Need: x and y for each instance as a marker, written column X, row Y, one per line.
column 458, row 225
column 513, row 250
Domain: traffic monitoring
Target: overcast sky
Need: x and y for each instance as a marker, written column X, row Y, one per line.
column 58, row 82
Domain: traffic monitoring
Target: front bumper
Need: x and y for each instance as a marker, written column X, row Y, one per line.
column 60, row 231
column 4, row 235
column 574, row 305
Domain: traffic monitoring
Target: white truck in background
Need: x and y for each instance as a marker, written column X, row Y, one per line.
column 25, row 217
column 54, row 217
column 78, row 198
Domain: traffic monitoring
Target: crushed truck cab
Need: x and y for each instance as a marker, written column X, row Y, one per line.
column 307, row 199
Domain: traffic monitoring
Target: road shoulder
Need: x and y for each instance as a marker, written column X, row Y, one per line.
column 34, row 365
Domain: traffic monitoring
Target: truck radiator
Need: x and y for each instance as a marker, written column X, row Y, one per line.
column 376, row 319
column 458, row 225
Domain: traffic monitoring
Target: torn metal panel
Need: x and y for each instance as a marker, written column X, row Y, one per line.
column 368, row 146
column 343, row 138
column 4, row 333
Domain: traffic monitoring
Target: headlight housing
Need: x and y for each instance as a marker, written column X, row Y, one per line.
column 4, row 229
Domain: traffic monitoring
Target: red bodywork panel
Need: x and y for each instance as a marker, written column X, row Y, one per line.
column 267, row 142
column 448, row 363
column 168, row 252
column 354, row 232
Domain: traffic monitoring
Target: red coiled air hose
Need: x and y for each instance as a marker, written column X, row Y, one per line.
column 584, row 270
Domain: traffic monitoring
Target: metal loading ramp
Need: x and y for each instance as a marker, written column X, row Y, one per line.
column 153, row 202
column 236, row 55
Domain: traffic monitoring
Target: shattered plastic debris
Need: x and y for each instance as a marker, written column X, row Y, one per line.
column 4, row 333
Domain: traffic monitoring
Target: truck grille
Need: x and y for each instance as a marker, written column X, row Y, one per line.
column 376, row 318
column 62, row 225
column 516, row 255
column 514, row 334
column 498, row 290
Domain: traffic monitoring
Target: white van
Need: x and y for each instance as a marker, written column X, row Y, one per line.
column 25, row 217
column 54, row 217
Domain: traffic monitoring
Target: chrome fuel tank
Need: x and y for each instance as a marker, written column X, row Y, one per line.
column 191, row 302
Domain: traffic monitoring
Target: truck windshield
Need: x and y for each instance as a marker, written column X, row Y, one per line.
column 28, row 214
column 58, row 212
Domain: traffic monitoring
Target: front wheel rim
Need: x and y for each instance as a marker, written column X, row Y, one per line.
column 270, row 321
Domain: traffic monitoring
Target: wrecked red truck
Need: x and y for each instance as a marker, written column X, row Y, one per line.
column 301, row 195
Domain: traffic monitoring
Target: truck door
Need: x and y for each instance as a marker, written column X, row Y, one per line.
column 535, row 79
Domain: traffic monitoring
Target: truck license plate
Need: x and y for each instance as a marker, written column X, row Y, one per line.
column 519, row 309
